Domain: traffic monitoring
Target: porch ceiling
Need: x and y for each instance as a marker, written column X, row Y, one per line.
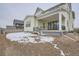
column 52, row 17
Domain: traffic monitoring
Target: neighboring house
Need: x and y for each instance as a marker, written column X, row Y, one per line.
column 18, row 23
column 56, row 19
column 18, row 26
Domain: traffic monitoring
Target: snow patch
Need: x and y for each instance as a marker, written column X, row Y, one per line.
column 56, row 47
column 28, row 37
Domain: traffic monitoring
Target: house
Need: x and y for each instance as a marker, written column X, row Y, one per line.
column 55, row 19
column 18, row 23
column 18, row 26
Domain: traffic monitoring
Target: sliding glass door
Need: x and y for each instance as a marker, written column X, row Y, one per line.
column 54, row 25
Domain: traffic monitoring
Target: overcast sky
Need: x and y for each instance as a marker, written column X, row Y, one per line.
column 9, row 12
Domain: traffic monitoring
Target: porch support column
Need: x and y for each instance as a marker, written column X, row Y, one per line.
column 66, row 18
column 66, row 21
column 60, row 21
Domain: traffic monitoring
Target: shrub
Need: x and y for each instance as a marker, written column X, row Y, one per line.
column 76, row 30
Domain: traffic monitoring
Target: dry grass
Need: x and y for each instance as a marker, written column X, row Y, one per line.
column 13, row 48
column 2, row 45
column 30, row 49
column 70, row 47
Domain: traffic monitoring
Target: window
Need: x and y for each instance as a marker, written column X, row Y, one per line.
column 43, row 25
column 73, row 14
column 28, row 24
column 53, row 25
column 63, row 27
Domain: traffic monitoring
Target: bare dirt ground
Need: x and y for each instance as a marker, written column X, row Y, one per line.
column 69, row 47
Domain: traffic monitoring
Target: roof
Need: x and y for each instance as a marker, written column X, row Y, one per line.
column 55, row 6
column 43, row 11
column 28, row 16
column 18, row 21
column 38, row 10
column 2, row 28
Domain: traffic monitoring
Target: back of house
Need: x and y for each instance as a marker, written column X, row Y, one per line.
column 55, row 19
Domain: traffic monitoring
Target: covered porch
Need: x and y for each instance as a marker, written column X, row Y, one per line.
column 53, row 23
